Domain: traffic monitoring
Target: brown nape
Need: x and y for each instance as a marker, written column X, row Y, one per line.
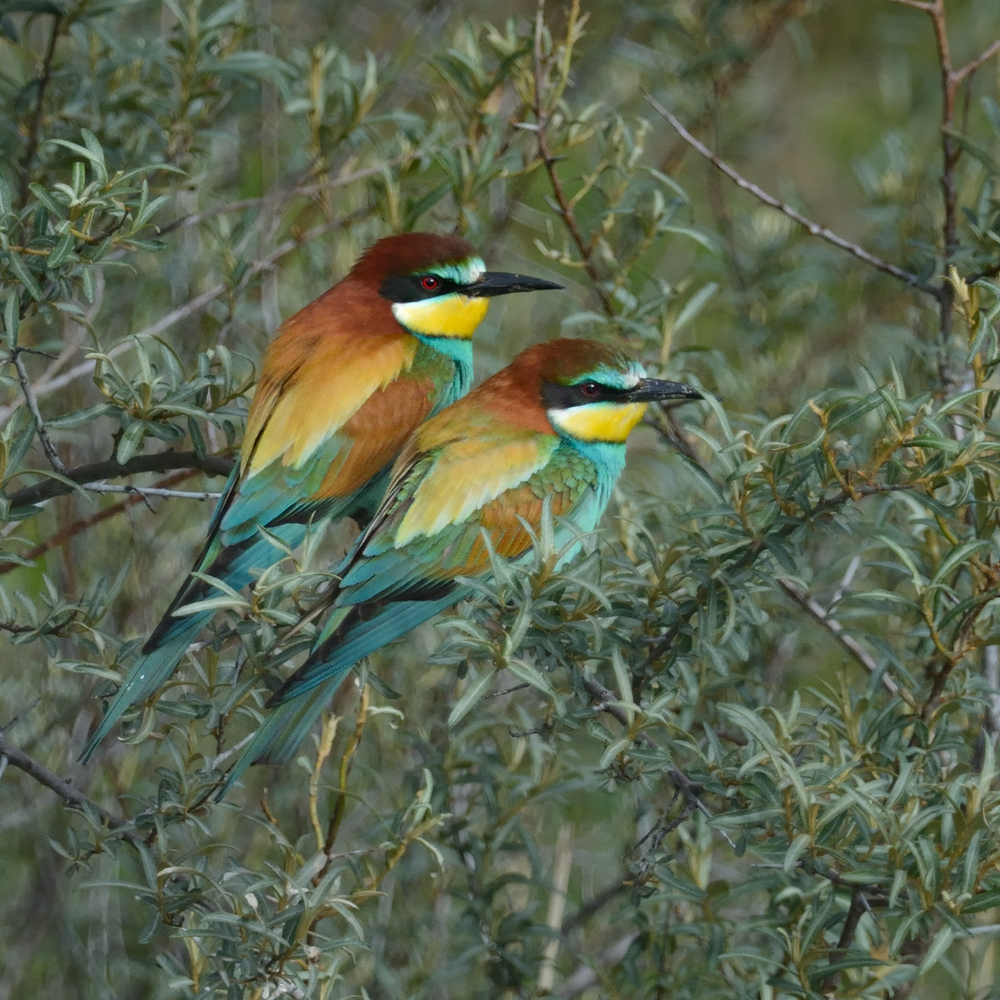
column 408, row 253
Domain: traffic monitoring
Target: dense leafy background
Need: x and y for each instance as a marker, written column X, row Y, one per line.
column 743, row 747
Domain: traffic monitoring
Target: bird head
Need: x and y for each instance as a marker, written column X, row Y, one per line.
column 594, row 393
column 438, row 286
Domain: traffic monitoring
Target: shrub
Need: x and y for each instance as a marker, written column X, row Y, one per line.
column 745, row 744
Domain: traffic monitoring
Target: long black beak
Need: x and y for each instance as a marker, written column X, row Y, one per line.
column 650, row 390
column 501, row 283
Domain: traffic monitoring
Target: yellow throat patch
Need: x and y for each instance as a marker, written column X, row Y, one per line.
column 454, row 315
column 607, row 422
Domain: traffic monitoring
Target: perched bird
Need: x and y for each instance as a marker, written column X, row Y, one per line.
column 549, row 427
column 343, row 385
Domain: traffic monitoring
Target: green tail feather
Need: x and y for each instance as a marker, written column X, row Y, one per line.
column 150, row 673
column 165, row 646
column 279, row 738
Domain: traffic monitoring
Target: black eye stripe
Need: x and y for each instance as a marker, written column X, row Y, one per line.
column 409, row 288
column 562, row 397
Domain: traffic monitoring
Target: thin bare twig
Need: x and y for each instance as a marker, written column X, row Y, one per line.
column 152, row 491
column 36, row 119
column 72, row 530
column 970, row 67
column 46, row 387
column 586, row 976
column 663, row 643
column 669, row 428
column 813, row 228
column 657, row 833
column 190, row 307
column 960, row 649
column 854, row 913
column 29, row 397
column 606, row 895
column 823, row 617
column 163, row 461
column 63, row 788
column 16, row 629
column 951, row 80
column 741, row 64
column 605, row 701
column 562, row 203
column 346, row 764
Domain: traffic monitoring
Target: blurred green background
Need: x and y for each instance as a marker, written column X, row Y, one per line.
column 303, row 132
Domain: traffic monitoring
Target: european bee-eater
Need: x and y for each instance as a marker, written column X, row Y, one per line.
column 343, row 385
column 551, row 426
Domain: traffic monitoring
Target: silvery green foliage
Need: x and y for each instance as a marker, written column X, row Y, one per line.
column 747, row 732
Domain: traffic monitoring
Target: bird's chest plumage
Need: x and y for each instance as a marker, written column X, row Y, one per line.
column 586, row 474
column 569, row 472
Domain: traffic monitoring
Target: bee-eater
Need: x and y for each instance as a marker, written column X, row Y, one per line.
column 549, row 427
column 343, row 385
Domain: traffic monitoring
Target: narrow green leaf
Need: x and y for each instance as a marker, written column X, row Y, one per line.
column 12, row 316
column 61, row 252
column 624, row 682
column 79, row 417
column 130, row 441
column 25, row 276
column 524, row 671
column 695, row 305
column 941, row 943
column 983, row 901
column 856, row 411
column 46, row 198
column 702, row 239
column 473, row 694
column 795, row 851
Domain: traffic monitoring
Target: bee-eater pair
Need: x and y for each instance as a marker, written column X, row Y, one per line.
column 343, row 385
column 473, row 473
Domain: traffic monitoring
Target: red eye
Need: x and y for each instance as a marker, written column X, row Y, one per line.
column 429, row 283
column 590, row 389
